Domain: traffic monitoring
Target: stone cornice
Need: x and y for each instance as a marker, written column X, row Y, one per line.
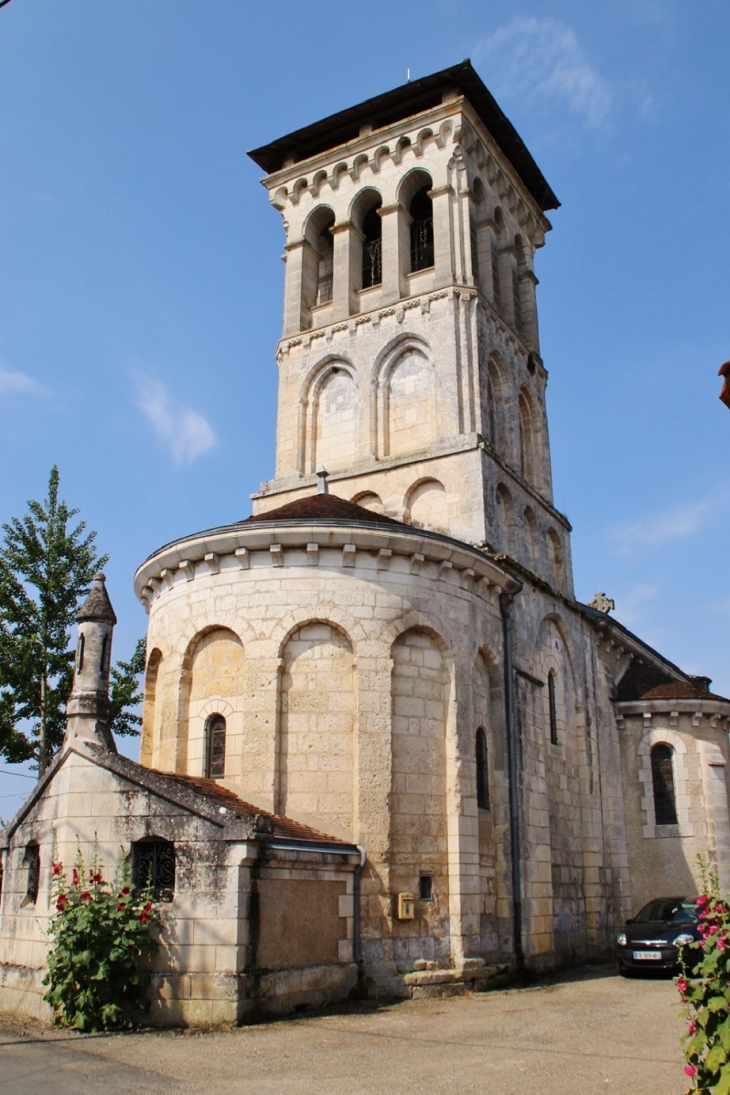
column 262, row 544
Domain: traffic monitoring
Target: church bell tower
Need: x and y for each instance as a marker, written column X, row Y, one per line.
column 409, row 363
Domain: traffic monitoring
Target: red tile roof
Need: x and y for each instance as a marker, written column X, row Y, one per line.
column 285, row 828
column 323, row 507
column 677, row 690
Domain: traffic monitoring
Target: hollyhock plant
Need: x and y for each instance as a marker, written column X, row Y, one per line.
column 101, row 935
column 705, row 993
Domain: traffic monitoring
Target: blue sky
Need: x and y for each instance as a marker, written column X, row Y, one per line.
column 142, row 279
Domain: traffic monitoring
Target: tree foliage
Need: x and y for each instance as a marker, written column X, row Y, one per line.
column 47, row 563
column 126, row 693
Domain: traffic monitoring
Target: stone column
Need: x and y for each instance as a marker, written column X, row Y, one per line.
column 443, row 260
column 396, row 250
column 301, row 259
column 347, row 244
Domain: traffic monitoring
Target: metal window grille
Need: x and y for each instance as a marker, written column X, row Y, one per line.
column 662, row 775
column 215, row 745
column 422, row 244
column 372, row 263
column 154, row 860
column 482, row 771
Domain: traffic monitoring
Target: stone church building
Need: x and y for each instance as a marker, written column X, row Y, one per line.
column 384, row 748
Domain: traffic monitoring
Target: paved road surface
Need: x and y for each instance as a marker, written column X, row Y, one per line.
column 593, row 1032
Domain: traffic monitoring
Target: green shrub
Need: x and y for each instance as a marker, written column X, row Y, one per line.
column 100, row 935
column 705, row 993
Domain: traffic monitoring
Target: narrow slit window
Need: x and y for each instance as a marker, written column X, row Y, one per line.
column 325, row 246
column 215, row 747
column 517, row 298
column 662, row 776
column 80, row 654
column 102, row 656
column 32, row 860
column 482, row 770
column 496, row 294
column 552, row 710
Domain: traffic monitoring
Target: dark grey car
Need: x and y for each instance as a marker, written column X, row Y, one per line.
column 658, row 935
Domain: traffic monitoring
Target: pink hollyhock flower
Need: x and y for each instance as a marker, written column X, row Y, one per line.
column 682, row 984
column 62, row 902
column 148, row 906
column 691, row 1070
column 143, row 917
column 121, row 906
column 124, row 892
column 86, row 896
column 75, row 877
column 57, row 869
column 702, row 899
column 95, row 877
column 714, row 929
column 721, row 943
column 692, row 1027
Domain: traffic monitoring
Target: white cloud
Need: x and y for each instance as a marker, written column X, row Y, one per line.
column 14, row 383
column 537, row 59
column 183, row 430
column 670, row 524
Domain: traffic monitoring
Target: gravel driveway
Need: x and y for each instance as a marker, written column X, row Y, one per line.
column 590, row 1032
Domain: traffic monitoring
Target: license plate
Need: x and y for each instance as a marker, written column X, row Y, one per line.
column 647, row 956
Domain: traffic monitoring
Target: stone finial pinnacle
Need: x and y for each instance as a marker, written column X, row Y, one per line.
column 322, row 486
column 602, row 603
column 97, row 605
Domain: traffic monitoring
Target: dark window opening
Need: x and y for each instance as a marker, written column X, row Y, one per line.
column 517, row 299
column 496, row 294
column 372, row 249
column 421, row 210
column 215, row 747
column 425, row 887
column 325, row 246
column 32, row 860
column 153, row 861
column 662, row 775
column 474, row 244
column 553, row 710
column 102, row 657
column 482, row 770
column 80, row 654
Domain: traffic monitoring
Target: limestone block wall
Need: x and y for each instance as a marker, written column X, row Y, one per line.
column 86, row 806
column 663, row 857
column 409, row 627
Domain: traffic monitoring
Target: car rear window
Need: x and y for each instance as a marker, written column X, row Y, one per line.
column 675, row 911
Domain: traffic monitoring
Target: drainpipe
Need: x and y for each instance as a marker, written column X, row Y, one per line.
column 505, row 604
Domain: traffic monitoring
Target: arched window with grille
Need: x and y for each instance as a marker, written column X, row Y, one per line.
column 482, row 760
column 421, row 211
column 662, row 777
column 153, row 862
column 325, row 270
column 215, row 747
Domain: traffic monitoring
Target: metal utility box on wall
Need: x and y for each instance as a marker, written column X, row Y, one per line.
column 406, row 906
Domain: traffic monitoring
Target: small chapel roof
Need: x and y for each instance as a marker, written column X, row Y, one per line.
column 97, row 605
column 323, row 507
column 412, row 98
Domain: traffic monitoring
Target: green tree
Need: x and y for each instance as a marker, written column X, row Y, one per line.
column 126, row 693
column 46, row 567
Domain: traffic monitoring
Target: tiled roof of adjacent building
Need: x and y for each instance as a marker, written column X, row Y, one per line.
column 678, row 690
column 323, row 507
column 412, row 98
